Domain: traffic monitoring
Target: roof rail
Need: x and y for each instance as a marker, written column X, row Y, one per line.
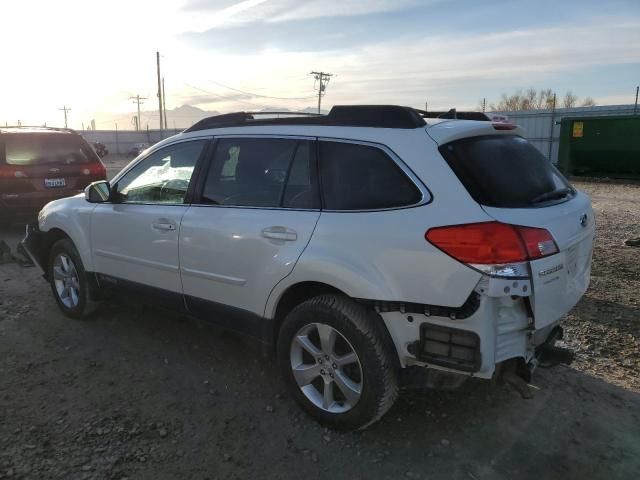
column 41, row 127
column 380, row 116
column 454, row 114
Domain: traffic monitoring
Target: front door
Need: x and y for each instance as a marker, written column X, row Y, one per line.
column 135, row 238
column 256, row 214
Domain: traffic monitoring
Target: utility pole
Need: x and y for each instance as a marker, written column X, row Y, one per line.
column 164, row 105
column 553, row 114
column 139, row 100
column 323, row 78
column 159, row 91
column 65, row 110
column 635, row 107
column 484, row 104
column 426, row 106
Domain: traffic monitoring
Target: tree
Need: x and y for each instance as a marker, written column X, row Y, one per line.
column 570, row 100
column 533, row 99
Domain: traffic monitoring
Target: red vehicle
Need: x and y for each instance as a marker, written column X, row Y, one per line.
column 40, row 164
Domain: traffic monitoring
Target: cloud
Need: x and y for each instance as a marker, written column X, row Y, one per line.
column 203, row 15
column 307, row 34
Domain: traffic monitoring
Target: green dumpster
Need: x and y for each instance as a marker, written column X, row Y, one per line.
column 600, row 146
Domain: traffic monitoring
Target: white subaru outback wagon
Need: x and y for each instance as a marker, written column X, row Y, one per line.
column 358, row 244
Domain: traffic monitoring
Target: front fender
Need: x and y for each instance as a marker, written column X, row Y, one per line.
column 71, row 215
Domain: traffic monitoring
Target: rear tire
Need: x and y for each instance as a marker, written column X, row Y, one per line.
column 336, row 360
column 68, row 280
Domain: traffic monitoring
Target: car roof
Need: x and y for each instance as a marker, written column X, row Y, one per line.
column 36, row 129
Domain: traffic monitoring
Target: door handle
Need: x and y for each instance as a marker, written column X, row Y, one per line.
column 280, row 233
column 167, row 227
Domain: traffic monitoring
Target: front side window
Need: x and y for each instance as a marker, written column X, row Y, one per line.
column 162, row 177
column 362, row 177
column 262, row 172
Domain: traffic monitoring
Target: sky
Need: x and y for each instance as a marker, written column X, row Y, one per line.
column 231, row 55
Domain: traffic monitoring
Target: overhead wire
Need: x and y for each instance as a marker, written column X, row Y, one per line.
column 259, row 95
column 227, row 98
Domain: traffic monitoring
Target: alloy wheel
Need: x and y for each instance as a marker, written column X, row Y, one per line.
column 326, row 368
column 67, row 283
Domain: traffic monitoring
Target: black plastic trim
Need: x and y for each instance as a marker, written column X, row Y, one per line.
column 468, row 308
column 127, row 288
column 225, row 316
column 232, row 318
column 377, row 116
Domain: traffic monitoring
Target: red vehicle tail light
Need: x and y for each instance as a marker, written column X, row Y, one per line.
column 492, row 243
column 97, row 169
column 11, row 171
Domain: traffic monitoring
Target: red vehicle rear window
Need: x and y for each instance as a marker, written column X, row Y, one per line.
column 45, row 149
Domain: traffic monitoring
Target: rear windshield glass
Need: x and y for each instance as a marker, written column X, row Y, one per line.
column 45, row 149
column 506, row 171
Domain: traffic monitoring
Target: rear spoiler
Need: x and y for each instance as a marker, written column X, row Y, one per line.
column 455, row 115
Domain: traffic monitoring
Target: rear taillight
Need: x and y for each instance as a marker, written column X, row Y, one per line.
column 96, row 169
column 11, row 171
column 495, row 248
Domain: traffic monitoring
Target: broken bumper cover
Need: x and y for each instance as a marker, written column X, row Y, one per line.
column 34, row 244
column 448, row 347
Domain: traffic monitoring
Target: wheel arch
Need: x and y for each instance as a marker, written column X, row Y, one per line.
column 300, row 292
column 49, row 238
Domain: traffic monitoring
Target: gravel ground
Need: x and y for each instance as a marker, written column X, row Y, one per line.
column 604, row 328
column 137, row 393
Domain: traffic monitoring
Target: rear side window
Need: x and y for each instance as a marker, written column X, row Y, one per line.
column 362, row 177
column 505, row 171
column 27, row 149
column 262, row 172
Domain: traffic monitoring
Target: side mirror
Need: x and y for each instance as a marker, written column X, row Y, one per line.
column 98, row 192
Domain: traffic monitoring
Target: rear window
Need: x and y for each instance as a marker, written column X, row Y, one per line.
column 506, row 171
column 45, row 149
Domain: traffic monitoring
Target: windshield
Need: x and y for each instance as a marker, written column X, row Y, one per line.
column 506, row 171
column 45, row 149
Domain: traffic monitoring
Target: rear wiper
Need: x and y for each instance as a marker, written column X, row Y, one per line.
column 563, row 192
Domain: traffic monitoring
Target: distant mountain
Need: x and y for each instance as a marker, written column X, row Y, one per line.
column 186, row 115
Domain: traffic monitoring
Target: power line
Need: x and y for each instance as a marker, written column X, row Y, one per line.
column 260, row 96
column 321, row 77
column 139, row 100
column 65, row 110
column 230, row 99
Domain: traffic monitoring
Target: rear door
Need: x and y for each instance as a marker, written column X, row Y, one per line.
column 257, row 211
column 516, row 184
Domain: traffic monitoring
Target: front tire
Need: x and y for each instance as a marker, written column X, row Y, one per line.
column 68, row 280
column 337, row 362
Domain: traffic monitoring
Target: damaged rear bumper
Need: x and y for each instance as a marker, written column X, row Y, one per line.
column 498, row 331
